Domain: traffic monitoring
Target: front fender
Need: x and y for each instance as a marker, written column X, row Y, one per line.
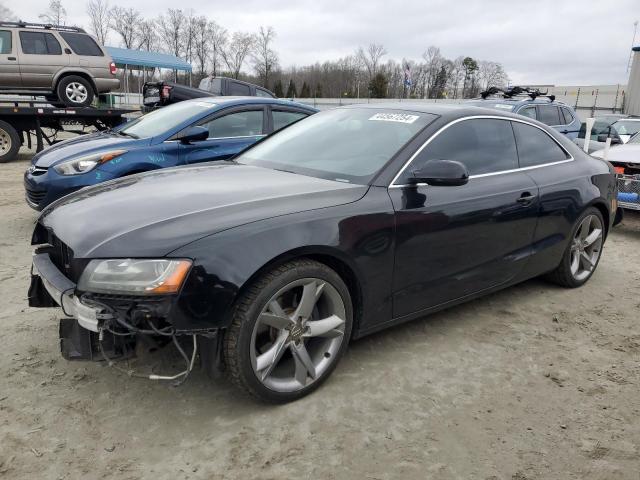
column 359, row 235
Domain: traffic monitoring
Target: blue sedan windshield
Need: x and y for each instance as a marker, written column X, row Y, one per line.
column 164, row 119
column 345, row 144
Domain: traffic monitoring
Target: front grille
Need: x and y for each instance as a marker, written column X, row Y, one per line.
column 61, row 256
column 629, row 191
column 35, row 196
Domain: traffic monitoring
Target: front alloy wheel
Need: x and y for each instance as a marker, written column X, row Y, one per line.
column 289, row 331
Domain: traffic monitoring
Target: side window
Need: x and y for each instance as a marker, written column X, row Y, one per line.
column 39, row 43
column 281, row 118
column 5, row 42
column 82, row 44
column 528, row 112
column 239, row 89
column 483, row 145
column 549, row 115
column 216, row 86
column 568, row 117
column 535, row 147
column 237, row 124
column 263, row 93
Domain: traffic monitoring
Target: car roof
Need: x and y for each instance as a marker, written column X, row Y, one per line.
column 444, row 110
column 237, row 101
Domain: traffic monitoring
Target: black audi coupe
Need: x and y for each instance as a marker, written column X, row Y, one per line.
column 345, row 223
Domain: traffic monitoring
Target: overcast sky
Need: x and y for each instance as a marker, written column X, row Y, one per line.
column 561, row 42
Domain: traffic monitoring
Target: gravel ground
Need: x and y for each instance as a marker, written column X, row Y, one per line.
column 535, row 382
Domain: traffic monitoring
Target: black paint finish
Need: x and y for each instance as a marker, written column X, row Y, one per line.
column 403, row 250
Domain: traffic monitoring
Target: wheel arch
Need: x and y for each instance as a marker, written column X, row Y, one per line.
column 77, row 73
column 331, row 257
column 601, row 205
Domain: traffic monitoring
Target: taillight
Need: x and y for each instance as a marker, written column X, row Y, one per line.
column 112, row 68
column 165, row 91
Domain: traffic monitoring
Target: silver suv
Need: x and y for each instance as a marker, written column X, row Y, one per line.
column 64, row 64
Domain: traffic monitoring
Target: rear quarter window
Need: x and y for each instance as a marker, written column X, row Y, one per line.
column 536, row 147
column 82, row 44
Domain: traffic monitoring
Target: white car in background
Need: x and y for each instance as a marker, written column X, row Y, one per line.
column 619, row 128
column 626, row 162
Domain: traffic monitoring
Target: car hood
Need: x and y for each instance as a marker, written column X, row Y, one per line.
column 153, row 213
column 84, row 144
column 629, row 153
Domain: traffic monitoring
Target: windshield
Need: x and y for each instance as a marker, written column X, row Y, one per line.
column 164, row 119
column 627, row 127
column 345, row 144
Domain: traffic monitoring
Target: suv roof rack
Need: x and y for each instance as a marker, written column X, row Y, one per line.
column 533, row 93
column 44, row 26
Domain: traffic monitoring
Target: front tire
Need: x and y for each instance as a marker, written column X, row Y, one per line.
column 583, row 253
column 289, row 330
column 75, row 91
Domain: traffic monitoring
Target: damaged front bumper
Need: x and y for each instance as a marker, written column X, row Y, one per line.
column 45, row 276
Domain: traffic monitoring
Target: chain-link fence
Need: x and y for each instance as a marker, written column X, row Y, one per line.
column 629, row 191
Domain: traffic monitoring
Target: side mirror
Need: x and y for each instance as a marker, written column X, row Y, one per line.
column 194, row 134
column 442, row 173
column 603, row 138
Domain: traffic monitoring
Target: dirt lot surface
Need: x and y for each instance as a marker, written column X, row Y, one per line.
column 535, row 382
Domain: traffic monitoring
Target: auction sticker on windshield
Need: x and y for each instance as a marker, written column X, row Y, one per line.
column 395, row 117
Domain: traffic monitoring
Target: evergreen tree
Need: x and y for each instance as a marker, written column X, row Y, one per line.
column 292, row 92
column 306, row 91
column 378, row 86
column 318, row 92
column 278, row 89
column 440, row 83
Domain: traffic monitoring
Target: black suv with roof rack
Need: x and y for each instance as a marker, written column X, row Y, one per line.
column 65, row 64
column 533, row 104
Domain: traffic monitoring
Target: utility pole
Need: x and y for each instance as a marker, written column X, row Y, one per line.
column 635, row 31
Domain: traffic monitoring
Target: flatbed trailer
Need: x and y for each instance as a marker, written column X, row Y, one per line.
column 21, row 120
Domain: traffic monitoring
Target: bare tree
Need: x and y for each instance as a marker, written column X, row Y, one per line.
column 491, row 74
column 98, row 11
column 188, row 35
column 145, row 35
column 171, row 28
column 57, row 15
column 6, row 14
column 218, row 37
column 236, row 51
column 124, row 21
column 371, row 57
column 265, row 59
column 201, row 43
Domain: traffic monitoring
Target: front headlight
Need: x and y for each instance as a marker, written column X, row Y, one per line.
column 134, row 277
column 86, row 163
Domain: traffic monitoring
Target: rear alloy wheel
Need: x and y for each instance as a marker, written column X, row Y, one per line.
column 75, row 91
column 583, row 253
column 289, row 331
column 9, row 142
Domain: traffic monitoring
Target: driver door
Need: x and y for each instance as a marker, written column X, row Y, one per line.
column 230, row 132
column 454, row 241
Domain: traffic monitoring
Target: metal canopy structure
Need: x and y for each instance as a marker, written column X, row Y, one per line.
column 141, row 58
column 632, row 99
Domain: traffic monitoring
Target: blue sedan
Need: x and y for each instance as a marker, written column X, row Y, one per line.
column 193, row 131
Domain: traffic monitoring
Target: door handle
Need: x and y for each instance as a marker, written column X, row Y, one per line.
column 564, row 131
column 526, row 198
column 11, row 58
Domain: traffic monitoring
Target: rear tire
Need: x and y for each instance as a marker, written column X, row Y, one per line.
column 584, row 251
column 9, row 142
column 75, row 91
column 289, row 330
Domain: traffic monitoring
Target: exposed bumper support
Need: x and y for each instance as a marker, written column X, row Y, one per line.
column 61, row 290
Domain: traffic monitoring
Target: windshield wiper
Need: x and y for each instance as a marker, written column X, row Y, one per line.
column 125, row 134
